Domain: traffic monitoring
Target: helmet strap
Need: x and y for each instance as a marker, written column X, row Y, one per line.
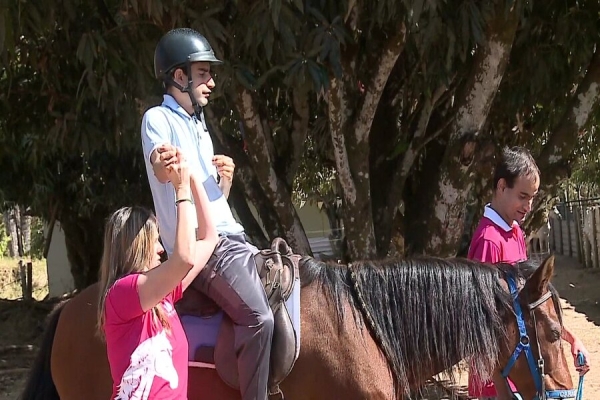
column 187, row 89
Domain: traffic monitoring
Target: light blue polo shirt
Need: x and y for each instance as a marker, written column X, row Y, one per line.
column 170, row 123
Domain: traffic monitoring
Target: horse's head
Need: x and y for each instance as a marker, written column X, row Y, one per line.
column 534, row 359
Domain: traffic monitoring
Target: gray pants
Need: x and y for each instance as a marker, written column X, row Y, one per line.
column 230, row 280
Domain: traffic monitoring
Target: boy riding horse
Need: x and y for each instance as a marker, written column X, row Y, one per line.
column 182, row 62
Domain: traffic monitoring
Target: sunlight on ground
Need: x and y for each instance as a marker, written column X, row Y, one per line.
column 10, row 281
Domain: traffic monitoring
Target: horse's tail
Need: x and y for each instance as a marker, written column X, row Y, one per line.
column 39, row 383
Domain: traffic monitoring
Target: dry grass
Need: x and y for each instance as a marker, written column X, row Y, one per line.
column 10, row 283
column 22, row 324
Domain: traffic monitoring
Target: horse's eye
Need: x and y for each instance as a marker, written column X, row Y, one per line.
column 555, row 335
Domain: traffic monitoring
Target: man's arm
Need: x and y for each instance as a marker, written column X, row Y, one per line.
column 225, row 186
column 156, row 139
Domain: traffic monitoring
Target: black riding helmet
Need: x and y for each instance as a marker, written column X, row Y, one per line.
column 179, row 48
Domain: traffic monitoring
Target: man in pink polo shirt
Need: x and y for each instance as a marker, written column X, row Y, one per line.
column 499, row 237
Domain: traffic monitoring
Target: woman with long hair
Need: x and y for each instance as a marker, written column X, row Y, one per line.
column 146, row 345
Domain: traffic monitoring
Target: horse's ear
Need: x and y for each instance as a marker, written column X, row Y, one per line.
column 537, row 284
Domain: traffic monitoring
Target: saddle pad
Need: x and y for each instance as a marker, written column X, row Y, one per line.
column 203, row 331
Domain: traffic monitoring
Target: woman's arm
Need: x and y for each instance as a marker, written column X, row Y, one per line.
column 157, row 283
column 207, row 236
column 577, row 347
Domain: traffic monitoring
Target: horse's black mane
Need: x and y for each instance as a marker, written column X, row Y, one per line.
column 426, row 310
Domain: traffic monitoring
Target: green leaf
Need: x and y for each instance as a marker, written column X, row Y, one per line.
column 69, row 9
column 417, row 8
column 269, row 39
column 287, row 37
column 328, row 43
column 315, row 74
column 275, row 6
column 245, row 77
column 35, row 19
column 299, row 5
column 399, row 149
column 324, row 22
column 3, row 29
column 86, row 50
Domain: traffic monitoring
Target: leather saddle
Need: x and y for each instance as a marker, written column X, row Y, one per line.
column 277, row 268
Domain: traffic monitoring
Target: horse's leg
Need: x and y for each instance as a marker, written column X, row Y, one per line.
column 79, row 362
column 335, row 362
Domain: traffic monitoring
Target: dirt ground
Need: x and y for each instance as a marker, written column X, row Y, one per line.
column 21, row 326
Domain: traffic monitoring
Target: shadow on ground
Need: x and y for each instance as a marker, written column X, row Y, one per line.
column 442, row 390
column 579, row 286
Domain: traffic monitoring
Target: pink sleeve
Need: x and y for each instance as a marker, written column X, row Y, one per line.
column 485, row 251
column 177, row 293
column 123, row 299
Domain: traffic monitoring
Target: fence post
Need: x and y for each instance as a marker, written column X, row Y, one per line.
column 596, row 260
column 569, row 239
column 578, row 234
column 560, row 236
column 26, row 277
column 28, row 295
column 552, row 238
column 23, row 277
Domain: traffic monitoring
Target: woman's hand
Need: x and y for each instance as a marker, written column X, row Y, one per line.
column 178, row 173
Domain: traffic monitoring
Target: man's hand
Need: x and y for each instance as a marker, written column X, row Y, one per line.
column 576, row 347
column 225, row 169
column 225, row 166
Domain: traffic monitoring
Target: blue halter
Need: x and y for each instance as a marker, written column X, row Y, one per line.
column 524, row 346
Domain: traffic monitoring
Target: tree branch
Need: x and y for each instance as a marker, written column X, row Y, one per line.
column 558, row 152
column 419, row 140
column 337, row 120
column 262, row 163
column 447, row 205
column 247, row 178
column 389, row 227
column 299, row 133
column 389, row 55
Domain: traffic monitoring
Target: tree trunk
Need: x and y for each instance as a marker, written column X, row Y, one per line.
column 298, row 133
column 26, row 233
column 248, row 187
column 350, row 133
column 251, row 226
column 557, row 155
column 261, row 158
column 11, row 231
column 444, row 213
column 84, row 242
column 388, row 223
column 385, row 137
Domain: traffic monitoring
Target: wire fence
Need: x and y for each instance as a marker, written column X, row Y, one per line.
column 574, row 230
column 19, row 281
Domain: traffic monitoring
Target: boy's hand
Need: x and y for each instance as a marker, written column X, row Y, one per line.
column 225, row 166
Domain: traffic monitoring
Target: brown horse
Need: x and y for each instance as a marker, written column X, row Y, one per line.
column 370, row 330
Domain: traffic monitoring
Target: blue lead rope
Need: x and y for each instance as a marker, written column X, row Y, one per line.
column 524, row 346
column 581, row 362
column 563, row 394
